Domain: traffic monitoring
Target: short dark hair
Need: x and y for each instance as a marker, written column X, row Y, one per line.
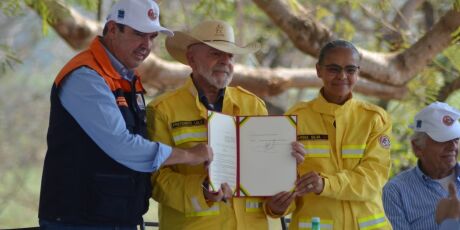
column 334, row 44
column 121, row 27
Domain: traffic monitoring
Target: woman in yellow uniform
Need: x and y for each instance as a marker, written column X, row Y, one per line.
column 347, row 145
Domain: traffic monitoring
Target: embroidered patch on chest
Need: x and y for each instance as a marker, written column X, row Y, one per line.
column 179, row 124
column 312, row 137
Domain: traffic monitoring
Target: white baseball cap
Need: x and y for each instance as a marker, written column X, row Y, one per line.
column 141, row 15
column 438, row 120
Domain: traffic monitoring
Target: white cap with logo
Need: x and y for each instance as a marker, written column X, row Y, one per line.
column 141, row 15
column 438, row 120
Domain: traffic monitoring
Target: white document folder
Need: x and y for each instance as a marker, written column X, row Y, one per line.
column 252, row 153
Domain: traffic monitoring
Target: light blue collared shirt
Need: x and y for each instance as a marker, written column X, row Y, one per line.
column 449, row 224
column 411, row 197
column 88, row 98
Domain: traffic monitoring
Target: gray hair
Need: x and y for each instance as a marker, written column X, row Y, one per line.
column 337, row 44
column 419, row 139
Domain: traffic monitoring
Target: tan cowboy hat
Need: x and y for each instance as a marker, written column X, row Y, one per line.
column 214, row 33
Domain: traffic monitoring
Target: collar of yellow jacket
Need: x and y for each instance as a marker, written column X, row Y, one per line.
column 321, row 105
column 229, row 106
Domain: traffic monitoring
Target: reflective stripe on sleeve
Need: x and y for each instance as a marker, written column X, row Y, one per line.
column 199, row 211
column 313, row 151
column 353, row 151
column 190, row 134
column 372, row 222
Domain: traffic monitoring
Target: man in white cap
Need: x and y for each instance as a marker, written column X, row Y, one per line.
column 410, row 198
column 98, row 164
column 178, row 118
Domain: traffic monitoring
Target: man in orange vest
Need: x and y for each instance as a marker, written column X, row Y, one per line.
column 97, row 167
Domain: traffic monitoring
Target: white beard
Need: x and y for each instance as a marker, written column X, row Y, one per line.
column 218, row 82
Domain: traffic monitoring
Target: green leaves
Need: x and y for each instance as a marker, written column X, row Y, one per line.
column 453, row 55
column 10, row 7
column 43, row 11
column 215, row 9
column 8, row 59
column 90, row 5
column 345, row 29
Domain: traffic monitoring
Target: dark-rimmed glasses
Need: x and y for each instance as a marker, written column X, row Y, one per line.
column 337, row 69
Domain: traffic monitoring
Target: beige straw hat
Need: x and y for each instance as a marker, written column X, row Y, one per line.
column 214, row 33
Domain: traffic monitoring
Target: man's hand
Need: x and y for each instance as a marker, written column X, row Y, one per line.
column 228, row 193
column 448, row 208
column 298, row 152
column 213, row 196
column 280, row 202
column 310, row 182
column 223, row 194
column 198, row 154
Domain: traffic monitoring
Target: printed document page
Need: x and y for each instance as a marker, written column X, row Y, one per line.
column 266, row 163
column 222, row 139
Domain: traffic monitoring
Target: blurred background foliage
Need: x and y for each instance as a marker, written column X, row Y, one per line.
column 31, row 54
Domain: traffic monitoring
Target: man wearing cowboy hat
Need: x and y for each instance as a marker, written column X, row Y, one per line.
column 410, row 198
column 97, row 168
column 179, row 118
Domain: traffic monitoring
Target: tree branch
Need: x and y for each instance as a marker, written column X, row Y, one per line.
column 387, row 68
column 401, row 23
column 160, row 74
column 413, row 60
column 305, row 32
column 74, row 28
column 448, row 89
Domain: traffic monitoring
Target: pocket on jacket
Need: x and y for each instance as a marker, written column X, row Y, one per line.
column 317, row 156
column 111, row 197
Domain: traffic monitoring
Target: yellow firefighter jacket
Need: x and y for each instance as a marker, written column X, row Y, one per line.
column 349, row 146
column 178, row 119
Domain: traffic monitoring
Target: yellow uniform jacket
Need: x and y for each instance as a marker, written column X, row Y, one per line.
column 349, row 146
column 178, row 119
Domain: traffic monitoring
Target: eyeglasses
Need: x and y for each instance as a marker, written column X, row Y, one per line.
column 336, row 69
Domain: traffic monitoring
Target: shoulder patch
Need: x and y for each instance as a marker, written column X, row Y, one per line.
column 384, row 141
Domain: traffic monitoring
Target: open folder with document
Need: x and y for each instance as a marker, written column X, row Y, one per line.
column 252, row 153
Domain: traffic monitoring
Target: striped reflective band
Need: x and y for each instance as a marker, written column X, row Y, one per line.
column 353, row 151
column 317, row 150
column 254, row 205
column 372, row 222
column 199, row 211
column 190, row 134
column 324, row 224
